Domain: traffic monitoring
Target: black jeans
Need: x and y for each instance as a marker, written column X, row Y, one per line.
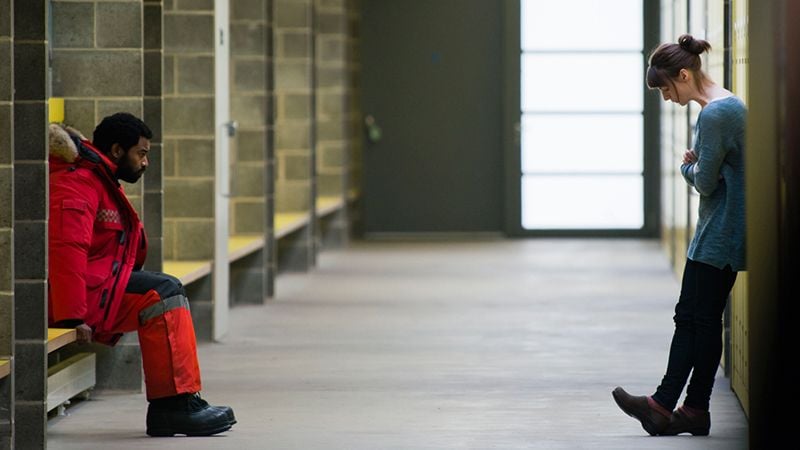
column 697, row 342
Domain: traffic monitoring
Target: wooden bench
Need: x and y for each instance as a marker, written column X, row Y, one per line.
column 287, row 223
column 241, row 246
column 59, row 337
column 5, row 368
column 190, row 271
column 71, row 377
column 187, row 271
column 328, row 205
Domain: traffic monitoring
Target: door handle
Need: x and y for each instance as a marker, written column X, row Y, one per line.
column 232, row 126
column 374, row 132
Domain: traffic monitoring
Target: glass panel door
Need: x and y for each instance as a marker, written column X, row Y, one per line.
column 582, row 115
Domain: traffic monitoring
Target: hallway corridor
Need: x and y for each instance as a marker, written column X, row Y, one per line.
column 437, row 345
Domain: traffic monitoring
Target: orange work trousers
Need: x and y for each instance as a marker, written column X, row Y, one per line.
column 156, row 306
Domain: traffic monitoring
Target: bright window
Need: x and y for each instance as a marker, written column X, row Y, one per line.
column 582, row 114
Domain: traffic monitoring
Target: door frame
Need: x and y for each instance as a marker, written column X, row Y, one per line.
column 511, row 132
column 221, row 272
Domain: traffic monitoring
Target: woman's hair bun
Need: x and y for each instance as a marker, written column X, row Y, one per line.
column 692, row 45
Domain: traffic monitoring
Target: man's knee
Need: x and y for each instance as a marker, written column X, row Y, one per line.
column 165, row 285
column 170, row 287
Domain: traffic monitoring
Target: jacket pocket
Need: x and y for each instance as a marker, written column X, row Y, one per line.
column 76, row 222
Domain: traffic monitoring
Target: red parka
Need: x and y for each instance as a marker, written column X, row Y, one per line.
column 95, row 237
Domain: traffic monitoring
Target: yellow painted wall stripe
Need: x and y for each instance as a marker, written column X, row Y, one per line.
column 56, row 106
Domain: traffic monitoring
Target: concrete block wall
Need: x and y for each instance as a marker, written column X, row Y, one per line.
column 331, row 89
column 293, row 90
column 99, row 69
column 30, row 221
column 294, row 121
column 270, row 243
column 251, row 108
column 188, row 156
column 152, row 114
column 97, row 64
column 6, row 219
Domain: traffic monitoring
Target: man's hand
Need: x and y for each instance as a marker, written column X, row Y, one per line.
column 84, row 333
column 689, row 156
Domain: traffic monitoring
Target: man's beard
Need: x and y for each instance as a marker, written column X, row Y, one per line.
column 126, row 173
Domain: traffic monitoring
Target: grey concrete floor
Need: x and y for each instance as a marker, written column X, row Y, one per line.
column 436, row 345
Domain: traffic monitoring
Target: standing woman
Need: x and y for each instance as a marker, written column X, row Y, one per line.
column 715, row 168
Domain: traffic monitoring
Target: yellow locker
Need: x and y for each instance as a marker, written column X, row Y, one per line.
column 739, row 313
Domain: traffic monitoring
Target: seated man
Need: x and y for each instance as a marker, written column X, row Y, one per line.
column 97, row 249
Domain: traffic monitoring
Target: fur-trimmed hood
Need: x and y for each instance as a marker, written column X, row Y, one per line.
column 61, row 142
column 67, row 147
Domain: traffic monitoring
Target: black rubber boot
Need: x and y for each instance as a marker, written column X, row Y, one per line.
column 186, row 414
column 227, row 409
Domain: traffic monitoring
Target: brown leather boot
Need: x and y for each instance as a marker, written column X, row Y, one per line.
column 653, row 421
column 697, row 422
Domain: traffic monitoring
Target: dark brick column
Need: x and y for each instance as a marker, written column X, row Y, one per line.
column 355, row 119
column 30, row 222
column 6, row 225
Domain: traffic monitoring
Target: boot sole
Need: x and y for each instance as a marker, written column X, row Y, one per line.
column 649, row 427
column 699, row 432
column 169, row 433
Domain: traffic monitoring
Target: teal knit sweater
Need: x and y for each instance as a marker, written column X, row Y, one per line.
column 718, row 176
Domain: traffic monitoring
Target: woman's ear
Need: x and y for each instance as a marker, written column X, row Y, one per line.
column 684, row 75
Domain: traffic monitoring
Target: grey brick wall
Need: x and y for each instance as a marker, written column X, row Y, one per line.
column 188, row 111
column 249, row 107
column 250, row 277
column 98, row 65
column 294, row 121
column 293, row 97
column 332, row 116
column 188, row 156
column 152, row 114
column 331, row 80
column 270, row 246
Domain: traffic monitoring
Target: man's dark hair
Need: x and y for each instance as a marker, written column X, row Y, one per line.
column 121, row 128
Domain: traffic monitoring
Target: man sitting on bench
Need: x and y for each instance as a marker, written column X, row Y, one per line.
column 97, row 247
